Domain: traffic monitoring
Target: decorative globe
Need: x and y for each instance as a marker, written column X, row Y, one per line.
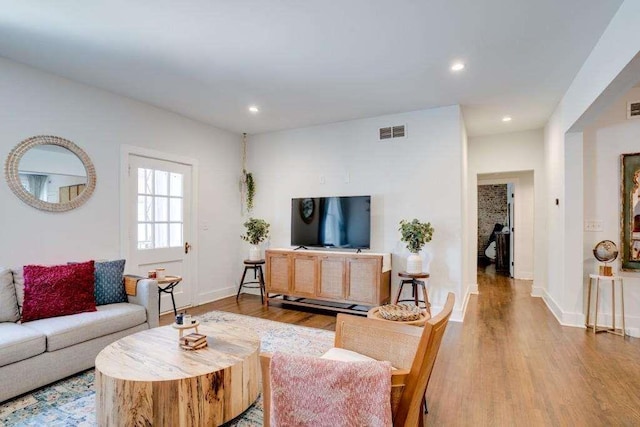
column 605, row 251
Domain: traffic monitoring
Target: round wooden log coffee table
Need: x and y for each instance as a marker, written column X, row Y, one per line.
column 147, row 379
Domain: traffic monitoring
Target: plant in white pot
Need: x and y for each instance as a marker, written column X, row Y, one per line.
column 415, row 234
column 257, row 231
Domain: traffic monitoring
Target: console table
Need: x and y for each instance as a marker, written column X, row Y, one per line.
column 596, row 279
column 341, row 281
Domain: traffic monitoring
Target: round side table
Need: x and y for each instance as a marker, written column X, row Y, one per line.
column 166, row 285
column 374, row 313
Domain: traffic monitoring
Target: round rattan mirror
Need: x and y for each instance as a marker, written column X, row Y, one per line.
column 50, row 173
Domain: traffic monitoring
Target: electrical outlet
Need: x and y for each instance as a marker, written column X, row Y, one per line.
column 322, row 179
column 593, row 225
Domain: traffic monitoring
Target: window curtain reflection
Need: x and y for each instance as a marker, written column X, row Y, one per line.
column 333, row 228
column 36, row 185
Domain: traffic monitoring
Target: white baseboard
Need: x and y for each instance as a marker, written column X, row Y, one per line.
column 217, row 294
column 573, row 319
column 525, row 275
column 456, row 315
column 553, row 307
column 537, row 291
column 472, row 289
column 632, row 323
column 577, row 320
column 633, row 332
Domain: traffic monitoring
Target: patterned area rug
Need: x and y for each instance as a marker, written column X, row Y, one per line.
column 71, row 402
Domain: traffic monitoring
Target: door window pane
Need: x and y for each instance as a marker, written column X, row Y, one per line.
column 145, row 206
column 175, row 212
column 162, row 183
column 176, row 184
column 145, row 238
column 145, row 181
column 175, row 234
column 161, row 235
column 161, row 209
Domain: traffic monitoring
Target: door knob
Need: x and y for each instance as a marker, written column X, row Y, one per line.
column 187, row 247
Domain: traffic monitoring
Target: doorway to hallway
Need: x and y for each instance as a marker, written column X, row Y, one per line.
column 495, row 227
column 505, row 223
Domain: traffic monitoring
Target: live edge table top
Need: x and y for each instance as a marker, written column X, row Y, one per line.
column 147, row 379
column 154, row 354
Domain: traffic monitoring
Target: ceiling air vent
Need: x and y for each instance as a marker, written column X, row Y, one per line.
column 398, row 131
column 385, row 133
column 633, row 110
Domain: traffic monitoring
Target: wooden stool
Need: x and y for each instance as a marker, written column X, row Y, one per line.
column 258, row 277
column 595, row 326
column 412, row 278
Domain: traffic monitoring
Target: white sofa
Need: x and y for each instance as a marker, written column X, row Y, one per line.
column 39, row 352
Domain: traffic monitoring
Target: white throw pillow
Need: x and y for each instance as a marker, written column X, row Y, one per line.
column 8, row 301
column 344, row 355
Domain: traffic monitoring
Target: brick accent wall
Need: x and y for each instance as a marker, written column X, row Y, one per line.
column 492, row 210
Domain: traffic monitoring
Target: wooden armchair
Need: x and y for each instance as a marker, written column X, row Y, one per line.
column 410, row 349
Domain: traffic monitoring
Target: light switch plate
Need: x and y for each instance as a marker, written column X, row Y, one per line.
column 593, row 225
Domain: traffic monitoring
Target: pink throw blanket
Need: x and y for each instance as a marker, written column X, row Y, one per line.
column 309, row 391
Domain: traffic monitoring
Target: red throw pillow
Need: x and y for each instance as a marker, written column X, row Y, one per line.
column 58, row 290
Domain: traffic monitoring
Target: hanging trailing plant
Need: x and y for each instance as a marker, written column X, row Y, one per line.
column 251, row 189
column 247, row 183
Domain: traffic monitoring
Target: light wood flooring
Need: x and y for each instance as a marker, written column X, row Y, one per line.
column 510, row 362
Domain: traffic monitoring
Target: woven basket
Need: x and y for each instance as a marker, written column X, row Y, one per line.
column 400, row 312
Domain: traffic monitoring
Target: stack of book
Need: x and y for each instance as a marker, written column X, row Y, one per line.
column 193, row 341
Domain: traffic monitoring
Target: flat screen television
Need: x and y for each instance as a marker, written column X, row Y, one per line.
column 331, row 222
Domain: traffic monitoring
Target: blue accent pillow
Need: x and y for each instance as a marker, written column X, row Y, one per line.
column 109, row 277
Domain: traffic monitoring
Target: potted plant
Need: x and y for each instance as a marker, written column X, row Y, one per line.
column 257, row 231
column 415, row 234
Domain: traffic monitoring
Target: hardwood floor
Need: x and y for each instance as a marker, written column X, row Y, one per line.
column 250, row 305
column 510, row 362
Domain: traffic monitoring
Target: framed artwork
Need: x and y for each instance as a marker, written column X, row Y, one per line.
column 307, row 209
column 630, row 215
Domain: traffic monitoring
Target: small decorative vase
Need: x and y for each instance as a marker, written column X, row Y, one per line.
column 254, row 253
column 414, row 264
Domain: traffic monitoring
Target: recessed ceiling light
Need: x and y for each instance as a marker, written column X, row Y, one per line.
column 506, row 119
column 253, row 109
column 457, row 66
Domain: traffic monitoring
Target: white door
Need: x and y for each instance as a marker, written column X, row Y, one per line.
column 511, row 208
column 159, row 223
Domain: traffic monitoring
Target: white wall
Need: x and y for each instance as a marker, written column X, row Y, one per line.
column 516, row 157
column 37, row 103
column 419, row 176
column 614, row 52
column 468, row 279
column 612, row 135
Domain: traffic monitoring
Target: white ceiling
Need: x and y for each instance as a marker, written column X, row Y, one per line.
column 306, row 62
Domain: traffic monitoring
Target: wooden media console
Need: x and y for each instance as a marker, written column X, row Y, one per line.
column 340, row 281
